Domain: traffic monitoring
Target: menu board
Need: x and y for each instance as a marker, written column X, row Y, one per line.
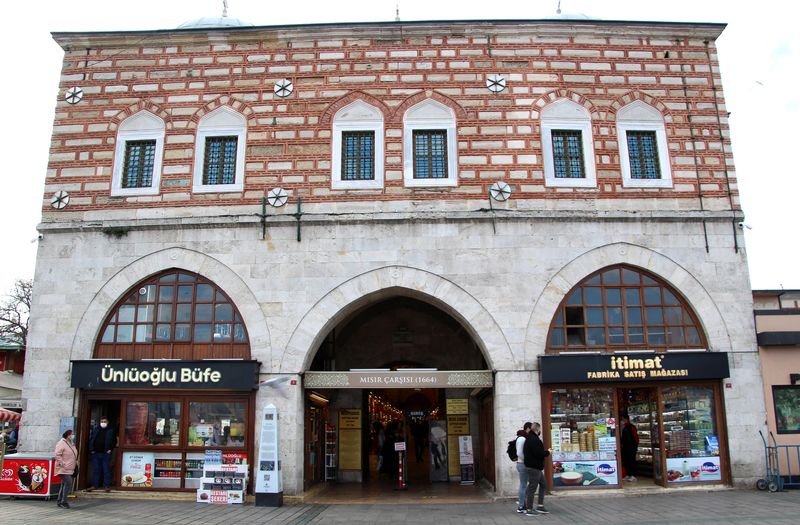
column 223, row 484
column 137, row 469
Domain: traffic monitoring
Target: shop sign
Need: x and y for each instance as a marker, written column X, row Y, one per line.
column 400, row 379
column 457, row 406
column 99, row 374
column 457, row 424
column 602, row 368
column 585, row 473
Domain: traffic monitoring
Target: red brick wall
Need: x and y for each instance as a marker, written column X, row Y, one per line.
column 181, row 76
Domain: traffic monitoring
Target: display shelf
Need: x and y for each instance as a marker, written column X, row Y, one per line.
column 330, row 452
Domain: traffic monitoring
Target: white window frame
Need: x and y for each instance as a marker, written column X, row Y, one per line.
column 142, row 125
column 429, row 115
column 222, row 122
column 564, row 114
column 357, row 116
column 638, row 116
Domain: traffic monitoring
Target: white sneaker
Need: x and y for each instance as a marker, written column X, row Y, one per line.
column 633, row 479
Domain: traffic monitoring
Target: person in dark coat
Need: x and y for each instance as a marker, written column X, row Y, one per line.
column 534, row 455
column 102, row 440
column 629, row 442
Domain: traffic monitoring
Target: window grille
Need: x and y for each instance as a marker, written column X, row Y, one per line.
column 139, row 159
column 358, row 155
column 220, row 160
column 567, row 154
column 430, row 154
column 643, row 154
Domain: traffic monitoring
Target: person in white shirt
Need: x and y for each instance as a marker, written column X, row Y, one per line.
column 521, row 470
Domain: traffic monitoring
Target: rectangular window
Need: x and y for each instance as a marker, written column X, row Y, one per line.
column 219, row 166
column 568, row 154
column 358, row 155
column 430, row 154
column 787, row 409
column 217, row 424
column 643, row 155
column 152, row 423
column 139, row 159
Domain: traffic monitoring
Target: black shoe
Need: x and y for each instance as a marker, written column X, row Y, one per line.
column 59, row 504
column 542, row 510
column 64, row 505
column 531, row 513
column 520, row 510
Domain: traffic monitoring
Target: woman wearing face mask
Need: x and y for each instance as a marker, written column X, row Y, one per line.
column 66, row 464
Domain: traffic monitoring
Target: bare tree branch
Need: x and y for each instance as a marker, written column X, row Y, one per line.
column 14, row 313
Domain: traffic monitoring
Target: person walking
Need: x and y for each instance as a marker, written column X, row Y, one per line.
column 521, row 469
column 66, row 455
column 102, row 441
column 534, row 454
column 629, row 442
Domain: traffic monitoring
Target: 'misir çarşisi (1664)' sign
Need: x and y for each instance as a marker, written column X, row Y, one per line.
column 102, row 374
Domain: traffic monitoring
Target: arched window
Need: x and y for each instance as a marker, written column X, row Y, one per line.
column 137, row 155
column 567, row 145
column 643, row 152
column 219, row 152
column 174, row 315
column 430, row 157
column 357, row 161
column 623, row 308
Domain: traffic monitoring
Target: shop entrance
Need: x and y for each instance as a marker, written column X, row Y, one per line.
column 110, row 408
column 399, row 371
column 640, row 445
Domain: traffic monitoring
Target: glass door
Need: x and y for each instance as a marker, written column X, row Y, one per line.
column 657, row 442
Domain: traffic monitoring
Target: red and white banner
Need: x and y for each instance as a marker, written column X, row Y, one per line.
column 9, row 415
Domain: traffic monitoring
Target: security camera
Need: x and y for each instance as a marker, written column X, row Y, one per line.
column 742, row 226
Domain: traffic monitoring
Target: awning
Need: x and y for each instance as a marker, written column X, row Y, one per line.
column 9, row 415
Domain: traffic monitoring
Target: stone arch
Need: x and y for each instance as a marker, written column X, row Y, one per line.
column 224, row 100
column 555, row 95
column 633, row 96
column 413, row 100
column 391, row 281
column 709, row 316
column 331, row 110
column 142, row 105
column 107, row 296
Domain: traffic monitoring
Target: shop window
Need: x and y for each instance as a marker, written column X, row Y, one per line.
column 152, row 423
column 567, row 145
column 429, row 145
column 357, row 161
column 138, row 155
column 691, row 439
column 217, row 424
column 582, row 436
column 176, row 315
column 787, row 409
column 623, row 308
column 642, row 141
column 219, row 152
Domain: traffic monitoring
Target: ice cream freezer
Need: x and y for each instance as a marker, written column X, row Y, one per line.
column 29, row 475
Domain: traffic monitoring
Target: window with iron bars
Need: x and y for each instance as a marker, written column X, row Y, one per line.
column 139, row 159
column 643, row 155
column 358, row 155
column 430, row 154
column 220, row 160
column 568, row 153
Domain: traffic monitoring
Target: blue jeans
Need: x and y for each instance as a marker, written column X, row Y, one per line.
column 523, row 484
column 101, row 462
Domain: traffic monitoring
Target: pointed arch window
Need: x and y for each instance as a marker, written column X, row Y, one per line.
column 174, row 315
column 624, row 308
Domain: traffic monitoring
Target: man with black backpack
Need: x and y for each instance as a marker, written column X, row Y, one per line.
column 535, row 455
column 519, row 457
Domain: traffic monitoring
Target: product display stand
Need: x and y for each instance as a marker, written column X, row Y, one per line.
column 330, row 452
column 222, row 483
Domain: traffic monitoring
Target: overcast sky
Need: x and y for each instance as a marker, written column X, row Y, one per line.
column 759, row 54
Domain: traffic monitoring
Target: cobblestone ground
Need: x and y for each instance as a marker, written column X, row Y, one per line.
column 732, row 506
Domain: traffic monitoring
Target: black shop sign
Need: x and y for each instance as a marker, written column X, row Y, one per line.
column 100, row 374
column 644, row 366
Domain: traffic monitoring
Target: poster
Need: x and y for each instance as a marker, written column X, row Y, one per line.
column 27, row 477
column 585, row 473
column 349, row 449
column 683, row 470
column 465, row 456
column 457, row 406
column 438, row 447
column 453, row 468
column 137, row 469
column 268, row 470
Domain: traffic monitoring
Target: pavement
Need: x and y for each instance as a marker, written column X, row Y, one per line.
column 716, row 507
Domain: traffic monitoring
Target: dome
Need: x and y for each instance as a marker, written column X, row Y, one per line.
column 208, row 22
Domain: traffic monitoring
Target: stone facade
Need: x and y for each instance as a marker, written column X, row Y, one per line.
column 500, row 271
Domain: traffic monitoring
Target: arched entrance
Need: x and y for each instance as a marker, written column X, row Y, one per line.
column 398, row 369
